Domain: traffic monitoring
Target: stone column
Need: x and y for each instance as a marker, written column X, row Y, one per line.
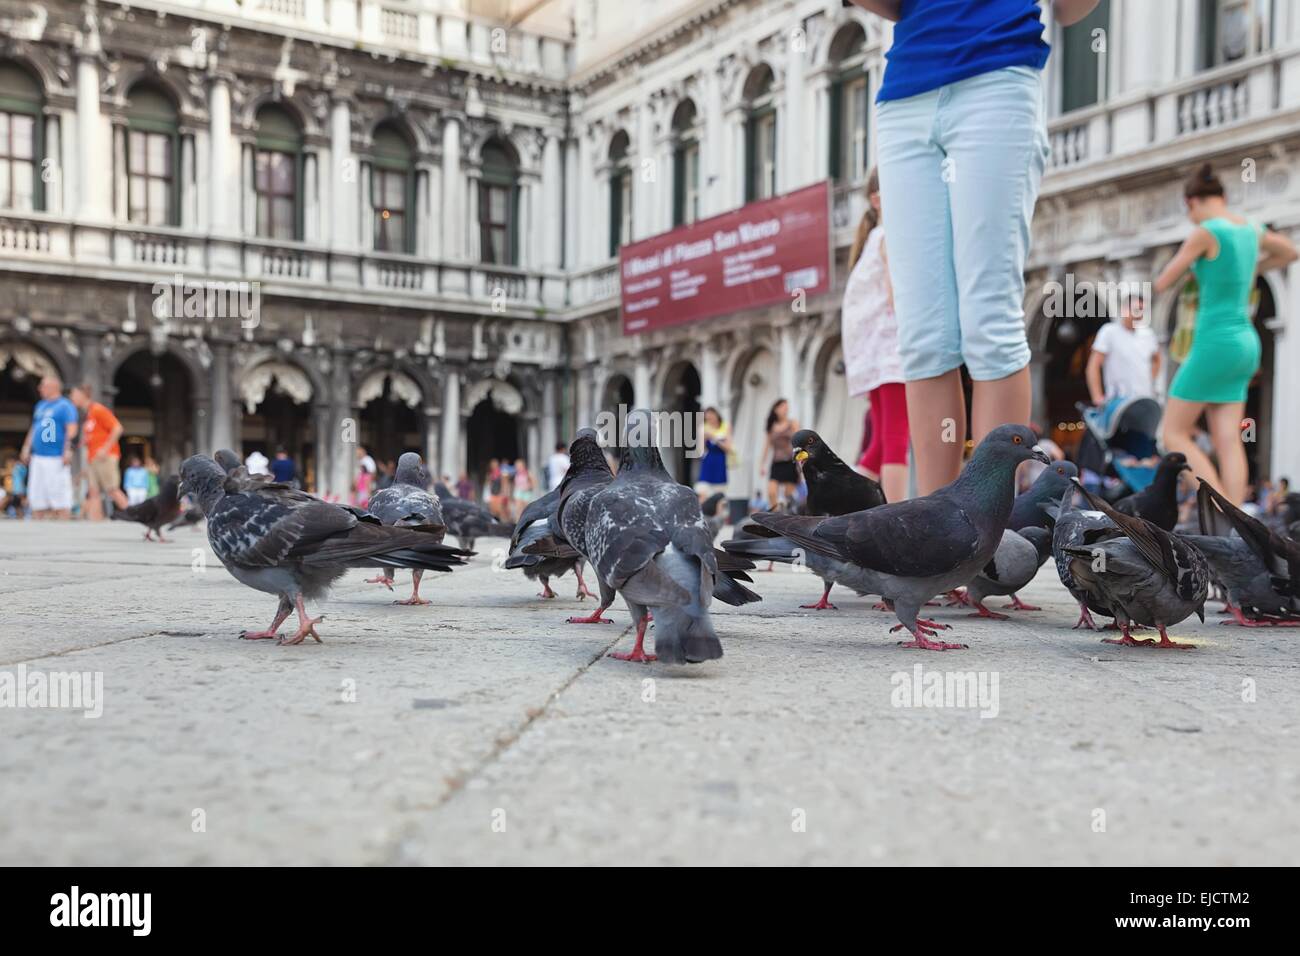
column 795, row 166
column 346, row 427
column 92, row 176
column 324, row 446
column 641, row 384
column 90, row 368
column 549, row 423
column 452, row 192
column 710, row 373
column 345, row 178
column 788, row 360
column 552, row 217
column 430, row 450
column 221, row 204
column 572, row 205
column 449, row 457
column 221, row 429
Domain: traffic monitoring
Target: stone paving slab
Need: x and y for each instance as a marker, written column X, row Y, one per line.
column 483, row 729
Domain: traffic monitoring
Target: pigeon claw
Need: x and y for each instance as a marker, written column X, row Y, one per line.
column 1019, row 605
column 1127, row 641
column 593, row 619
column 957, row 597
column 546, row 593
column 386, row 582
column 822, row 605
column 636, row 655
column 413, row 600
column 1085, row 619
column 930, row 625
column 982, row 611
column 921, row 639
column 258, row 635
column 307, row 627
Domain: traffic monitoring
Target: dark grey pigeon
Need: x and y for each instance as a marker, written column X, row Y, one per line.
column 1014, row 564
column 294, row 546
column 1259, row 568
column 190, row 517
column 1147, row 576
column 238, row 477
column 646, row 538
column 1158, row 501
column 930, row 545
column 1047, row 488
column 760, row 544
column 406, row 503
column 469, row 520
column 1072, row 528
column 154, row 513
column 537, row 522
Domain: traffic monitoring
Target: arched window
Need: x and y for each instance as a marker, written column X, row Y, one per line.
column 392, row 187
column 21, row 141
column 498, row 204
column 620, row 192
column 277, row 174
column 686, row 164
column 152, row 158
column 760, row 136
column 850, row 94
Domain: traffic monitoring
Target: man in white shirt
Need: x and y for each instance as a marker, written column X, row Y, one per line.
column 1126, row 356
column 556, row 466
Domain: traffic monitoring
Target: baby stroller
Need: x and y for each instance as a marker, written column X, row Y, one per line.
column 1121, row 440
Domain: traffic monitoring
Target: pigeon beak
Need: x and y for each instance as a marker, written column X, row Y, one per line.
column 1040, row 455
column 800, row 456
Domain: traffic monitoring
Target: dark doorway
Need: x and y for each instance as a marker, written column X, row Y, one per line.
column 682, row 398
column 490, row 433
column 153, row 399
column 18, row 399
column 280, row 422
column 390, row 427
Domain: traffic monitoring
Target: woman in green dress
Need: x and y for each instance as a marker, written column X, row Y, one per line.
column 1225, row 253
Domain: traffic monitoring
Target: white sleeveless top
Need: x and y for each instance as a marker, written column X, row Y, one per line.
column 868, row 329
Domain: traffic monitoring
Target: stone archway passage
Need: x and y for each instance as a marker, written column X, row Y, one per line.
column 277, row 401
column 21, row 368
column 392, row 421
column 681, row 396
column 153, row 398
column 491, row 432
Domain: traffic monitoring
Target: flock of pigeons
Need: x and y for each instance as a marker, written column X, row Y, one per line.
column 646, row 537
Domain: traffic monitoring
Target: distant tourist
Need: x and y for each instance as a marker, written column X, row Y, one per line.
column 47, row 451
column 782, row 475
column 100, row 433
column 283, row 469
column 557, row 466
column 712, row 478
column 136, row 481
column 1125, row 359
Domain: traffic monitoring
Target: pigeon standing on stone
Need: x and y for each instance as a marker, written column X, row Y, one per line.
column 1158, row 501
column 1014, row 564
column 294, row 546
column 646, row 538
column 930, row 545
column 154, row 513
column 1048, row 487
column 1259, row 568
column 406, row 503
column 1146, row 575
column 190, row 517
column 833, row 489
column 1075, row 527
column 469, row 520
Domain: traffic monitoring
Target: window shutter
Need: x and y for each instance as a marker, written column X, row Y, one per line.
column 751, row 158
column 837, row 170
column 514, row 225
column 679, row 185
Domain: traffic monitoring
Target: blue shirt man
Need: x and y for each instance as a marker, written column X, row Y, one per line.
column 50, row 423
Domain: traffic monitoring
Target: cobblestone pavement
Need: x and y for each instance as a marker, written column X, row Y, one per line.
column 483, row 729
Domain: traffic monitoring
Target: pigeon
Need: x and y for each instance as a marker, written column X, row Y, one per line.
column 713, row 513
column 1014, row 564
column 1074, row 527
column 1158, row 501
column 537, row 522
column 238, row 475
column 1259, row 568
column 758, row 543
column 1047, row 487
column 925, row 546
column 833, row 489
column 294, row 546
column 646, row 538
column 1146, row 575
column 154, row 513
column 469, row 521
column 407, row 504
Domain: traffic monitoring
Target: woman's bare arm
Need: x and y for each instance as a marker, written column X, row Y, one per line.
column 1070, row 12
column 889, row 9
column 1278, row 251
column 1197, row 244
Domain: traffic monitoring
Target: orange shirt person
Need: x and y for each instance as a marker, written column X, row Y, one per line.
column 101, row 432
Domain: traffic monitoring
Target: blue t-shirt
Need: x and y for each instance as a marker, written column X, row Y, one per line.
column 282, row 470
column 136, row 476
column 50, row 424
column 937, row 42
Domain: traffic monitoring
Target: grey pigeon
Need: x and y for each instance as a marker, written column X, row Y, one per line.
column 1014, row 564
column 646, row 538
column 925, row 546
column 1076, row 527
column 469, row 520
column 190, row 517
column 1259, row 568
column 713, row 512
column 1051, row 482
column 537, row 522
column 406, row 503
column 294, row 546
column 753, row 541
column 154, row 513
column 1146, row 575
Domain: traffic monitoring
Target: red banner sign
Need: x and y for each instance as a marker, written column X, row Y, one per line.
column 756, row 255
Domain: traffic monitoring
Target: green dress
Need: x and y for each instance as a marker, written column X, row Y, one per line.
column 1225, row 346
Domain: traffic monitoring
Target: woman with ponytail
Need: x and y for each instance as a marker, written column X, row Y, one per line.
column 1224, row 253
column 869, row 332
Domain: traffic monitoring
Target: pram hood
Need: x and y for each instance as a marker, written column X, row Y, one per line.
column 1139, row 414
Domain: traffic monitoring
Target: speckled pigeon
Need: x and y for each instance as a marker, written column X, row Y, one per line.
column 154, row 513
column 1077, row 527
column 1146, row 575
column 406, row 503
column 295, row 546
column 469, row 520
column 925, row 546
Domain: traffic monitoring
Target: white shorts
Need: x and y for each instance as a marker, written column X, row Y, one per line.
column 49, row 484
column 135, row 496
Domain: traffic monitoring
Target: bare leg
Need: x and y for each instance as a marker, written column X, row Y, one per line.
column 306, row 625
column 893, row 479
column 1225, row 432
column 1178, row 430
column 936, row 414
column 415, row 590
column 1000, row 401
column 273, row 631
